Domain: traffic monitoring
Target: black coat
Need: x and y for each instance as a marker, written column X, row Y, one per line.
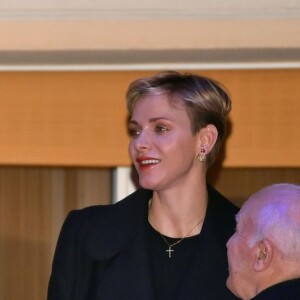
column 287, row 290
column 102, row 253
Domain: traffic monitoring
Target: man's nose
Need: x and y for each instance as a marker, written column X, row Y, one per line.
column 228, row 242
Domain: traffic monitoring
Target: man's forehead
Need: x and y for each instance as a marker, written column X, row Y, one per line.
column 244, row 221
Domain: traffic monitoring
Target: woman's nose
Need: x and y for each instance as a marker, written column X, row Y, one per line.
column 142, row 141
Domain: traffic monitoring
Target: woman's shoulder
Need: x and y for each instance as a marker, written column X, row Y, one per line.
column 133, row 201
column 93, row 225
column 118, row 215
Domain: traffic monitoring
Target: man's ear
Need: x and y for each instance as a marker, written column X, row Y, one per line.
column 207, row 137
column 264, row 252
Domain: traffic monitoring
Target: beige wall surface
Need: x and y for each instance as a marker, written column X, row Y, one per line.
column 33, row 204
column 148, row 34
column 98, row 25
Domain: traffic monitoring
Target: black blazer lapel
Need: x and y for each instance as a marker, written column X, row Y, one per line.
column 123, row 268
column 207, row 271
column 129, row 273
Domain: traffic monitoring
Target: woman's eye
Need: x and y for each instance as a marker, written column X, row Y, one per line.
column 161, row 128
column 133, row 132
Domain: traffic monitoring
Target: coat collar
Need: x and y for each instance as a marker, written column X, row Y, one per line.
column 114, row 227
column 124, row 247
column 110, row 230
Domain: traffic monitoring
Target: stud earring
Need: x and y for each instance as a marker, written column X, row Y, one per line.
column 201, row 156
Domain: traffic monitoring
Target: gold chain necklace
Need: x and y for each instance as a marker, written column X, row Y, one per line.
column 170, row 250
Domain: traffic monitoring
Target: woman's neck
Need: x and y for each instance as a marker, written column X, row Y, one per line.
column 174, row 214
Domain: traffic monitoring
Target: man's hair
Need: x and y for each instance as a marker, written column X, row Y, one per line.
column 276, row 216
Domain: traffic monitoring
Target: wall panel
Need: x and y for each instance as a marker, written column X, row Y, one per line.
column 237, row 184
column 79, row 118
column 33, row 205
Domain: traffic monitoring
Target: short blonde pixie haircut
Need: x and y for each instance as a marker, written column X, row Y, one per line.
column 206, row 100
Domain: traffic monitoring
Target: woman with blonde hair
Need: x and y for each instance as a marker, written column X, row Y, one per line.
column 168, row 239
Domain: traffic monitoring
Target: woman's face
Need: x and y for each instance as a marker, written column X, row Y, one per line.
column 162, row 147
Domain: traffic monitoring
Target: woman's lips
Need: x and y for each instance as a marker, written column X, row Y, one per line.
column 147, row 161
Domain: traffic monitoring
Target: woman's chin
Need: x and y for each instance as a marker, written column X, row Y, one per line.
column 148, row 185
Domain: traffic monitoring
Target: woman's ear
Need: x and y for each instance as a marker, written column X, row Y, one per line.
column 263, row 255
column 207, row 137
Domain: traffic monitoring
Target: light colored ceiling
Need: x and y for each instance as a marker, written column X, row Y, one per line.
column 98, row 32
column 144, row 9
